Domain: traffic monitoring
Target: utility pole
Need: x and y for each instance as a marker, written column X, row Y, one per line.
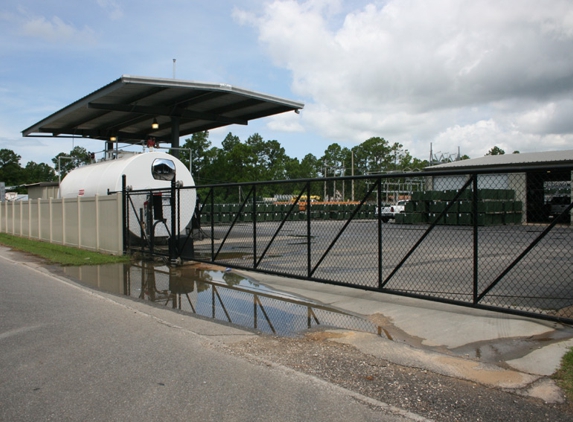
column 334, row 184
column 431, row 154
column 343, row 174
column 324, row 198
column 352, row 175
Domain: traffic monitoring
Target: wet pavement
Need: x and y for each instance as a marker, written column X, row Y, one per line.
column 491, row 348
column 220, row 294
column 76, row 354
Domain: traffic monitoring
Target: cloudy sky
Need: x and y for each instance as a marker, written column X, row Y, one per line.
column 471, row 74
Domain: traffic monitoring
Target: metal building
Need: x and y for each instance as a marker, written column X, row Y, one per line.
column 537, row 187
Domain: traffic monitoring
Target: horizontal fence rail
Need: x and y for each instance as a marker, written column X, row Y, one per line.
column 497, row 240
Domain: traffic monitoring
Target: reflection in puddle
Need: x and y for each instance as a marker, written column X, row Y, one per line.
column 223, row 295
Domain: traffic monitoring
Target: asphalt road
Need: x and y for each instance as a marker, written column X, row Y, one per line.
column 69, row 353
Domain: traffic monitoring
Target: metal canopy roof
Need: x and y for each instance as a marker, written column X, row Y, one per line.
column 127, row 107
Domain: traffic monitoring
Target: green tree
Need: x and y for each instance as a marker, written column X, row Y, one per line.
column 335, row 160
column 259, row 160
column 276, row 160
column 67, row 162
column 373, row 156
column 42, row 172
column 11, row 172
column 230, row 141
column 407, row 163
column 376, row 155
column 307, row 168
column 230, row 164
column 269, row 159
column 202, row 154
column 495, row 151
column 224, row 165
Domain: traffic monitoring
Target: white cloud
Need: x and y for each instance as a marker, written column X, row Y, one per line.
column 548, row 118
column 478, row 138
column 112, row 8
column 415, row 71
column 286, row 122
column 56, row 30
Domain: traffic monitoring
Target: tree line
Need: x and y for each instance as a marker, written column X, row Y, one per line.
column 258, row 159
column 15, row 176
column 254, row 159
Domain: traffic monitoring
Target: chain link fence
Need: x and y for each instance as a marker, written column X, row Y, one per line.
column 498, row 240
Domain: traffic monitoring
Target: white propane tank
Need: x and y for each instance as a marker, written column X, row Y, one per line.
column 98, row 178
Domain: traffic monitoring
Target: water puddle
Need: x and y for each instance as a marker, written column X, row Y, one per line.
column 214, row 292
column 505, row 349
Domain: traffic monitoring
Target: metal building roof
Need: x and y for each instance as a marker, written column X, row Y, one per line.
column 127, row 107
column 510, row 160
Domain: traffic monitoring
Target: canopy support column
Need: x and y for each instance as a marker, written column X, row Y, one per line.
column 175, row 136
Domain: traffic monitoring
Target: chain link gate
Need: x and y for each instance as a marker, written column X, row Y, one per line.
column 494, row 240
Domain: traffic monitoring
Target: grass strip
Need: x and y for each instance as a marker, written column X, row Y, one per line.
column 58, row 254
column 564, row 376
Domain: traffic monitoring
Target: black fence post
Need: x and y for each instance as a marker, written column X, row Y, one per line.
column 308, row 234
column 142, row 231
column 149, row 221
column 179, row 215
column 172, row 239
column 212, row 193
column 379, row 220
column 124, row 220
column 475, row 238
column 254, row 226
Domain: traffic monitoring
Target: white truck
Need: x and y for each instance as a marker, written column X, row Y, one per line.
column 389, row 213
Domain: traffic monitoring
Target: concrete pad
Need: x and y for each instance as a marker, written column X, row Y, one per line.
column 436, row 324
column 543, row 361
column 439, row 328
column 452, row 366
column 546, row 390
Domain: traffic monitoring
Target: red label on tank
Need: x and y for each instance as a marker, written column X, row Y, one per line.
column 81, row 192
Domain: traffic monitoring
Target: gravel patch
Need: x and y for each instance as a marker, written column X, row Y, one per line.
column 431, row 395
